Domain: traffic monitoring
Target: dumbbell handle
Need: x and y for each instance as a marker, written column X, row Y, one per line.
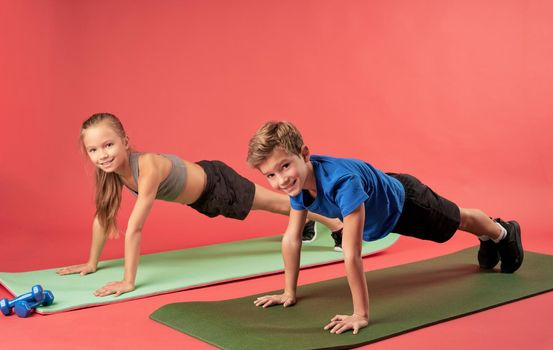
column 36, row 294
column 24, row 308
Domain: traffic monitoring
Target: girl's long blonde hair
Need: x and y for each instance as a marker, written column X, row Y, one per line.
column 108, row 185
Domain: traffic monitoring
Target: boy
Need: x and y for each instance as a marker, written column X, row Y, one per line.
column 371, row 204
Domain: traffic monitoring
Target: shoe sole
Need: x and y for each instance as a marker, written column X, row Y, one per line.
column 338, row 249
column 518, row 241
column 491, row 265
column 314, row 236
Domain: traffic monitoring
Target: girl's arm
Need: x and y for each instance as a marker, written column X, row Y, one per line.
column 98, row 242
column 148, row 183
column 351, row 244
column 291, row 249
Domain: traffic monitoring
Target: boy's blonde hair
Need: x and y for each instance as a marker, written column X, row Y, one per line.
column 274, row 134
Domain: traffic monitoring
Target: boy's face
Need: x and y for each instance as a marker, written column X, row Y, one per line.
column 286, row 172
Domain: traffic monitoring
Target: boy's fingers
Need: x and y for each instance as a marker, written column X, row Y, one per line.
column 343, row 327
column 261, row 301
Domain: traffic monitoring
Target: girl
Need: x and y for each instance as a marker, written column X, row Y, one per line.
column 210, row 187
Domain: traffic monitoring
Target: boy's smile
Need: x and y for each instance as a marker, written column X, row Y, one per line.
column 288, row 172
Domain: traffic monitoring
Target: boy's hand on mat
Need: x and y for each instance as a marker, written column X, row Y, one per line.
column 279, row 299
column 80, row 269
column 342, row 323
column 116, row 288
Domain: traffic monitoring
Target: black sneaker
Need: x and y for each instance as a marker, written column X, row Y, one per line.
column 488, row 256
column 510, row 247
column 309, row 234
column 337, row 236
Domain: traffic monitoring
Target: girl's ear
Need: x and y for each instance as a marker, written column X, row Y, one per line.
column 126, row 142
column 305, row 153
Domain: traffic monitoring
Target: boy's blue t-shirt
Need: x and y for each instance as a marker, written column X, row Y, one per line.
column 343, row 184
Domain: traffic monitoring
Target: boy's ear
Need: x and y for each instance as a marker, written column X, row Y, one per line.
column 305, row 153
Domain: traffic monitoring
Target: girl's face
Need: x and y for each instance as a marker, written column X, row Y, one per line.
column 105, row 148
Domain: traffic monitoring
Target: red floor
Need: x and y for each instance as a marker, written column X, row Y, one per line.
column 523, row 324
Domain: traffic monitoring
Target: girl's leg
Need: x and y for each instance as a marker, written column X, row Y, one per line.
column 475, row 221
column 273, row 202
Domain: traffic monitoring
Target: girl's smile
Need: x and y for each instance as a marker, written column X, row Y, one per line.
column 105, row 148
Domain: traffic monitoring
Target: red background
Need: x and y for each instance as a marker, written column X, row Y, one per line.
column 457, row 93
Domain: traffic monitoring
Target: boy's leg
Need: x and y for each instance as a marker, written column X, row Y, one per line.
column 427, row 215
column 268, row 200
column 498, row 240
column 478, row 223
column 475, row 221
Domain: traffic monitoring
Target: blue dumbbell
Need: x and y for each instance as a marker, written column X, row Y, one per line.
column 35, row 295
column 25, row 308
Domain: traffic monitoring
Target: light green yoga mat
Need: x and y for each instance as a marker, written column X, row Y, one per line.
column 402, row 298
column 180, row 269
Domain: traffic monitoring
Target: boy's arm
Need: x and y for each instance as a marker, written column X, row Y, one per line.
column 148, row 183
column 291, row 249
column 99, row 238
column 351, row 245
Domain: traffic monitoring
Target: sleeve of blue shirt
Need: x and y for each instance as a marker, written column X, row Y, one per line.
column 349, row 193
column 295, row 202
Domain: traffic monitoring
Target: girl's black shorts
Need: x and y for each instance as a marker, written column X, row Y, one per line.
column 226, row 192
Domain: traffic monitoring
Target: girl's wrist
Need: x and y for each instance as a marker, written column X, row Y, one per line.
column 129, row 281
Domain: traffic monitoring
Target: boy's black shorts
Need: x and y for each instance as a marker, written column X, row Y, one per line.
column 226, row 192
column 426, row 215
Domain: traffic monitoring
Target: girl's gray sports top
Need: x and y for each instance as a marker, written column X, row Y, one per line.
column 172, row 186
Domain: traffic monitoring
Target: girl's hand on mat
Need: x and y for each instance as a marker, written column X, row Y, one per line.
column 342, row 323
column 268, row 300
column 116, row 288
column 83, row 269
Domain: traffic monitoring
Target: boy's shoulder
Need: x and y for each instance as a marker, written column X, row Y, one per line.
column 330, row 170
column 329, row 159
column 345, row 165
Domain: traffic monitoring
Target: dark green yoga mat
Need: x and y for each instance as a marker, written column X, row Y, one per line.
column 402, row 298
column 180, row 269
